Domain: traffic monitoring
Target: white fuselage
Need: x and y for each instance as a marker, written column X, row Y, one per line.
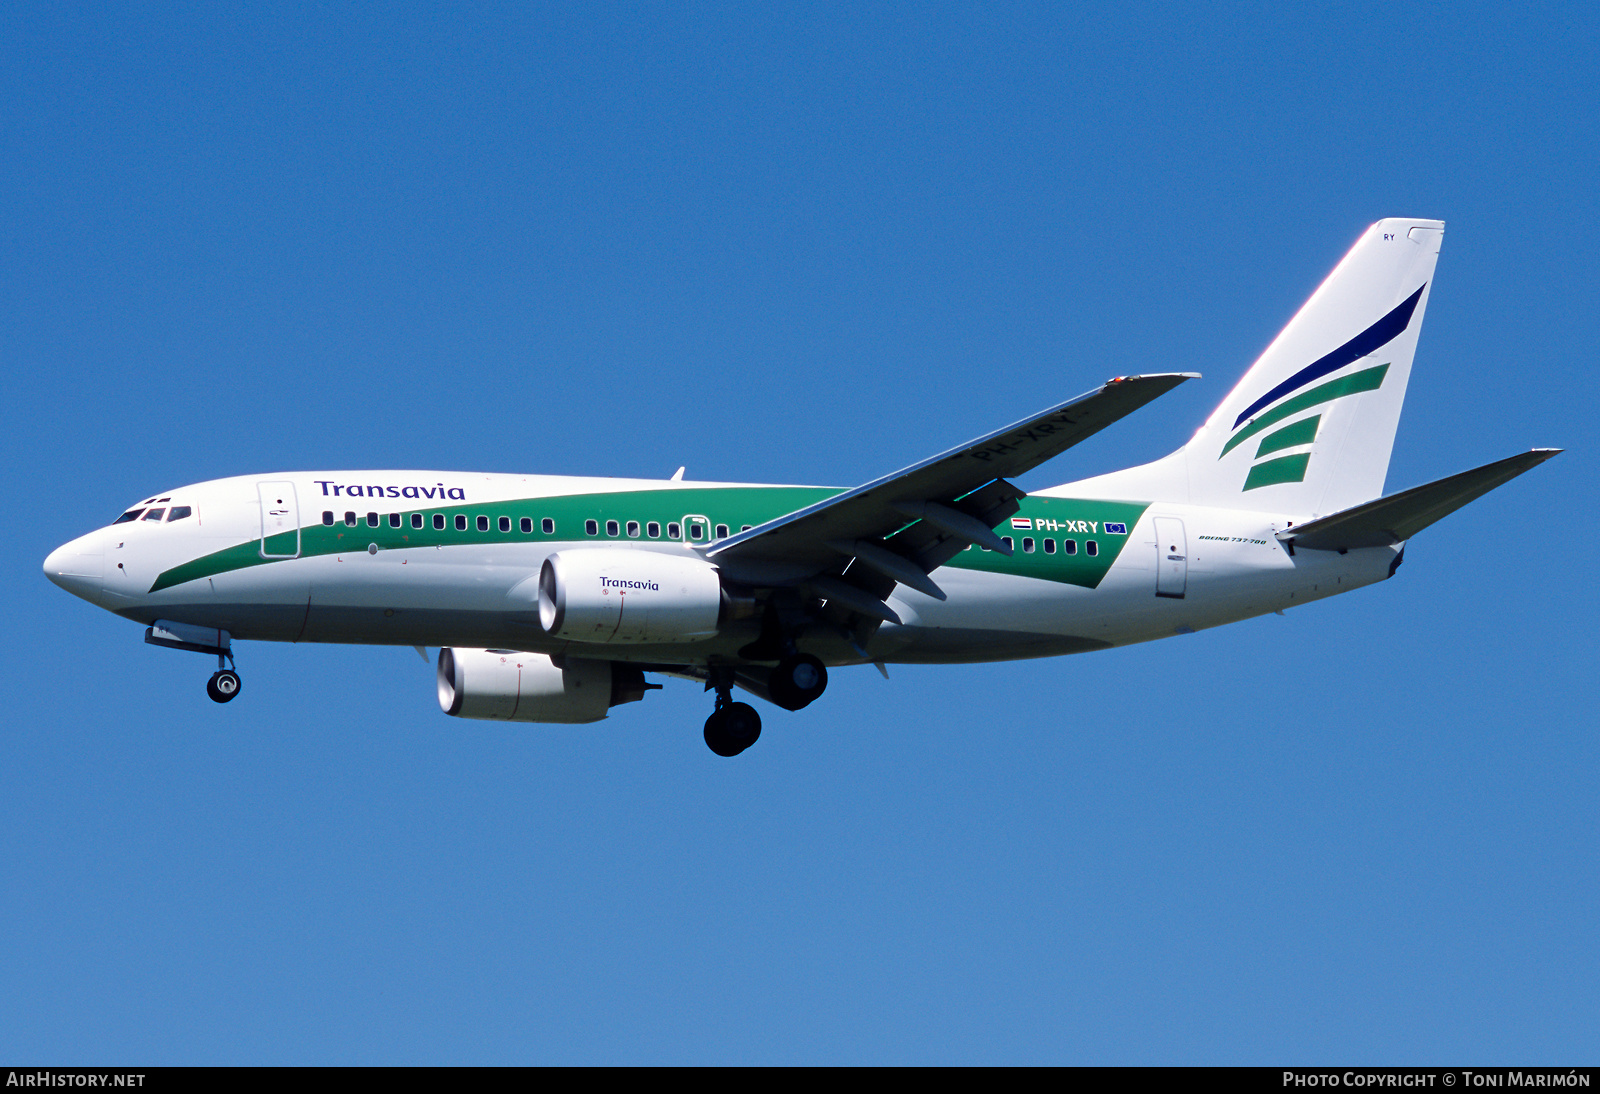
column 311, row 580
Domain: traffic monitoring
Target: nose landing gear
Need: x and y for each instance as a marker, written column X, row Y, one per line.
column 224, row 683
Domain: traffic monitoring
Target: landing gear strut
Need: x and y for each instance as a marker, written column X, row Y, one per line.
column 224, row 683
column 732, row 727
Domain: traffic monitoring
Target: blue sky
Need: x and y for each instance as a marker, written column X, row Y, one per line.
column 803, row 245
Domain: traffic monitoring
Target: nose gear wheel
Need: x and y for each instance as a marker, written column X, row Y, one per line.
column 223, row 686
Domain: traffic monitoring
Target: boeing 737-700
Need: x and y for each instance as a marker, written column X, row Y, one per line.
column 552, row 599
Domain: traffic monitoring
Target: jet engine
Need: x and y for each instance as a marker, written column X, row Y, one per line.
column 590, row 595
column 507, row 686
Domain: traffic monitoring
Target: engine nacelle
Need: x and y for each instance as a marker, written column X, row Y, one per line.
column 507, row 686
column 590, row 595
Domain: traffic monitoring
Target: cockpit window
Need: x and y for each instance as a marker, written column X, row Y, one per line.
column 131, row 514
column 154, row 514
column 179, row 512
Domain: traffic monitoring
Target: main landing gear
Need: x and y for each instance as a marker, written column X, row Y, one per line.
column 797, row 680
column 224, row 683
column 732, row 727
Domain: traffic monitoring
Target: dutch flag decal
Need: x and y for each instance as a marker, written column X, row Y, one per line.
column 1022, row 524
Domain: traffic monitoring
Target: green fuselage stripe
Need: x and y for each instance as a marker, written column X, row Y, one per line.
column 1059, row 520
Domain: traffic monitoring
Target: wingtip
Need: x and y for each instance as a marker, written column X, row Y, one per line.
column 1148, row 376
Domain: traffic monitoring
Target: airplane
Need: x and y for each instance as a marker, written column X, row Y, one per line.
column 550, row 598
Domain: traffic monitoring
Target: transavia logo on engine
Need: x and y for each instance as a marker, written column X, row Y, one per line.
column 615, row 583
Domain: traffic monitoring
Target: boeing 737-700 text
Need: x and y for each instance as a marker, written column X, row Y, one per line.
column 551, row 598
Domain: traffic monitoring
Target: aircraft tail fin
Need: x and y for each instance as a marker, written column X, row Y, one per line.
column 1310, row 427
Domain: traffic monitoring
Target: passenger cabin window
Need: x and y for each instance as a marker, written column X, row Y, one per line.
column 483, row 523
column 526, row 524
column 745, row 527
column 1049, row 546
column 505, row 524
column 394, row 520
column 653, row 530
column 1027, row 545
column 327, row 517
column 372, row 520
column 633, row 529
column 722, row 531
column 1070, row 546
column 697, row 530
column 1007, row 541
column 674, row 530
column 548, row 526
column 613, row 528
column 591, row 527
column 461, row 522
column 416, row 520
column 131, row 514
column 438, row 522
column 154, row 514
column 1090, row 547
column 350, row 520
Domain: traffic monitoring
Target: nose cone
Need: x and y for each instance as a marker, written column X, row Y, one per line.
column 78, row 567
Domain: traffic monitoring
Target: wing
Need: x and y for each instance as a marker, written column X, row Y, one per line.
column 854, row 547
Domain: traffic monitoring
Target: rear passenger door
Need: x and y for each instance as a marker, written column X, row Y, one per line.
column 1172, row 558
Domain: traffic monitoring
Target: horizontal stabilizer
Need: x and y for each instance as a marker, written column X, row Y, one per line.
column 1400, row 516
